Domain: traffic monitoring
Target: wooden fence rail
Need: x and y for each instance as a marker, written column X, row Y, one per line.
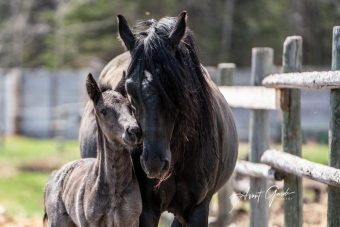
column 301, row 167
column 256, row 170
column 305, row 80
column 252, row 97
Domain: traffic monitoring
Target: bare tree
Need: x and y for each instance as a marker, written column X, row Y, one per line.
column 20, row 10
column 228, row 22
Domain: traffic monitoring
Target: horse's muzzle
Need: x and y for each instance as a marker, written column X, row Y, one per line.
column 156, row 168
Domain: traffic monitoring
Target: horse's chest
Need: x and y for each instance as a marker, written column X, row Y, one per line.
column 183, row 192
column 187, row 195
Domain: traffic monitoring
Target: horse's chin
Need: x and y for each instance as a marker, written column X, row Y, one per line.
column 155, row 176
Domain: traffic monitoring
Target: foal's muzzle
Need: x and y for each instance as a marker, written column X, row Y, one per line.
column 132, row 136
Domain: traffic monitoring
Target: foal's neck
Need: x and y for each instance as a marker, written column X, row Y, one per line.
column 114, row 164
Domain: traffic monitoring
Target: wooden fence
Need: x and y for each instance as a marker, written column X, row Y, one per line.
column 282, row 92
column 28, row 98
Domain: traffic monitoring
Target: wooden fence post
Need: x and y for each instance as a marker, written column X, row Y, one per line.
column 291, row 130
column 17, row 75
column 333, row 217
column 225, row 77
column 262, row 66
column 225, row 74
column 2, row 111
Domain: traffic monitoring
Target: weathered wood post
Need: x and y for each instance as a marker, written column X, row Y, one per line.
column 262, row 66
column 333, row 217
column 225, row 77
column 18, row 83
column 291, row 130
column 2, row 111
column 225, row 74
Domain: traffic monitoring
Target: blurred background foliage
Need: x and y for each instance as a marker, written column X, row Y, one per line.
column 83, row 33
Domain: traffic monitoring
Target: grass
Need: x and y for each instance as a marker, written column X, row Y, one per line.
column 316, row 153
column 311, row 151
column 22, row 194
column 17, row 151
column 21, row 191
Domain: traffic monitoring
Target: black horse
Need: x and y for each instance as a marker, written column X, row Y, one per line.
column 190, row 143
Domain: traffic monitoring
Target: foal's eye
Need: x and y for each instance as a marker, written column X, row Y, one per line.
column 103, row 112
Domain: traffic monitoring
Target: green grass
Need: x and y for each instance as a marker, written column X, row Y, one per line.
column 316, row 153
column 21, row 192
column 20, row 150
column 313, row 152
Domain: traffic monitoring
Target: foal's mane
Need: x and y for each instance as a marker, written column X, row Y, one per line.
column 183, row 86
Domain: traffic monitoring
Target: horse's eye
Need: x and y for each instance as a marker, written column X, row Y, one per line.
column 102, row 111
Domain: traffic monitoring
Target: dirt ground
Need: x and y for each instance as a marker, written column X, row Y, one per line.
column 315, row 213
column 19, row 222
column 314, row 208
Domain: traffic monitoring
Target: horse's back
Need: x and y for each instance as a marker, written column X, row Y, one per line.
column 226, row 137
column 110, row 76
column 113, row 71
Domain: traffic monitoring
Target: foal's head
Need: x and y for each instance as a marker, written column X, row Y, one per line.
column 113, row 113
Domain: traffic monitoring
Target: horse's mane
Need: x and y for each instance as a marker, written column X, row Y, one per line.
column 183, row 86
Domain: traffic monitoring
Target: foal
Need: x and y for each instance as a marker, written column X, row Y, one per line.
column 104, row 191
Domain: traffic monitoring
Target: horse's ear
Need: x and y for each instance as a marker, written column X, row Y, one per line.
column 125, row 33
column 121, row 85
column 92, row 88
column 178, row 32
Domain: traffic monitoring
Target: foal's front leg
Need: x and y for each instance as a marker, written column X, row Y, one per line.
column 60, row 220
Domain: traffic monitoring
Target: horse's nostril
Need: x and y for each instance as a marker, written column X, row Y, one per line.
column 144, row 156
column 166, row 165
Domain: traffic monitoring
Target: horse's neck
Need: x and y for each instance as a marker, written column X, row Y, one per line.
column 114, row 164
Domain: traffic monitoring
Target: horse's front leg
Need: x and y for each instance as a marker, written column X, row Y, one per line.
column 148, row 218
column 198, row 217
column 176, row 223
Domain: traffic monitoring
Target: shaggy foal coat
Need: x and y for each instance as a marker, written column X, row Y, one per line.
column 103, row 191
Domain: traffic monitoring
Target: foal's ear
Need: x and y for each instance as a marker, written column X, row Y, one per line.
column 92, row 88
column 125, row 33
column 120, row 88
column 178, row 32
